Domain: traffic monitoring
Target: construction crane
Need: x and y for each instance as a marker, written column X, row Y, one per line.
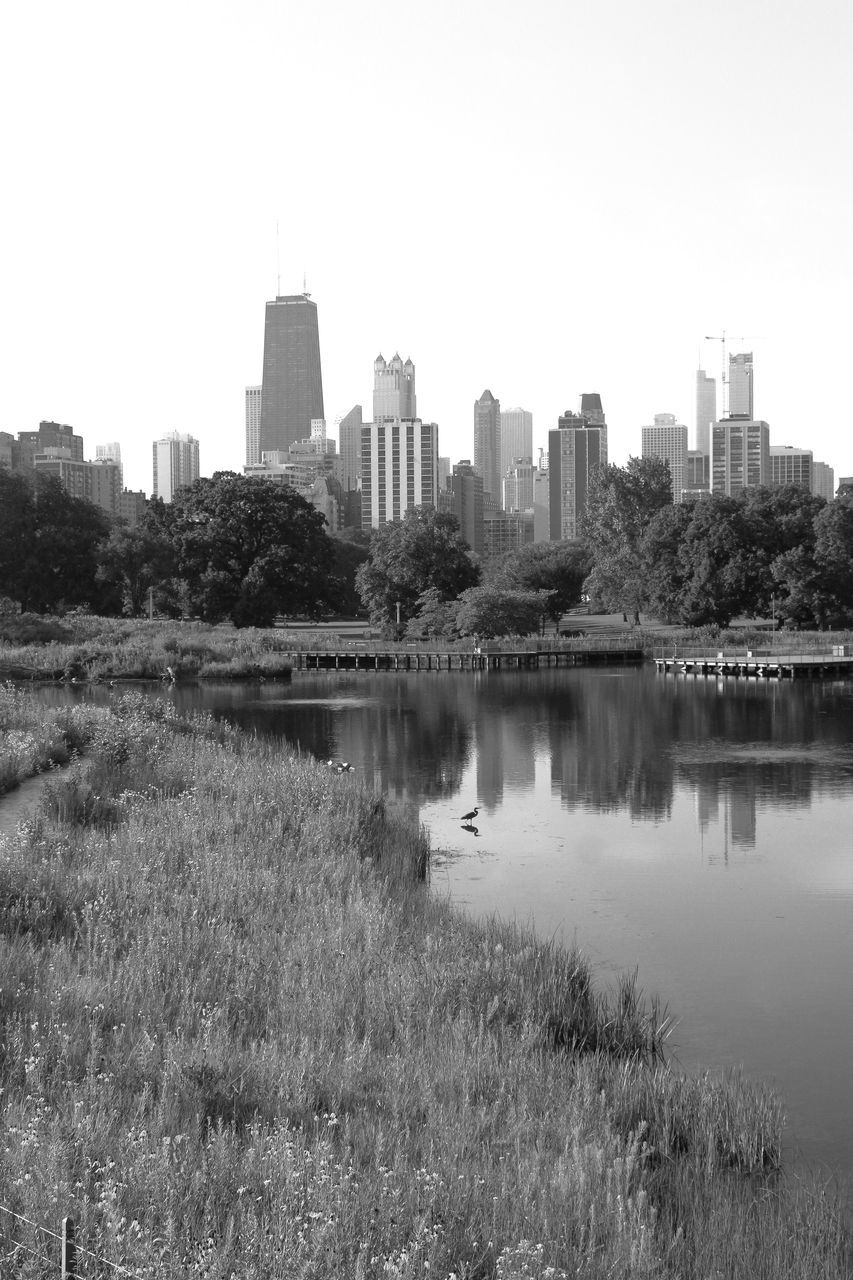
column 724, row 380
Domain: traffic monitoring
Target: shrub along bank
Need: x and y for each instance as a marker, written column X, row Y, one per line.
column 241, row 1038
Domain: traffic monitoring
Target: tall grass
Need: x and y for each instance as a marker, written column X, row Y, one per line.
column 241, row 1038
column 92, row 649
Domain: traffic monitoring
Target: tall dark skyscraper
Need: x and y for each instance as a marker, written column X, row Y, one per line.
column 487, row 443
column 292, row 392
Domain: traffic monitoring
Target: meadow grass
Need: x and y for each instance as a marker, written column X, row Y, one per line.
column 84, row 648
column 241, row 1038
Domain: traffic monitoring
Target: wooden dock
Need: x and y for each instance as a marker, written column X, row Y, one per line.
column 481, row 658
column 759, row 664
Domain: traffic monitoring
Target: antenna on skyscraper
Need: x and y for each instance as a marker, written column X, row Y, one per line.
column 277, row 263
column 305, row 284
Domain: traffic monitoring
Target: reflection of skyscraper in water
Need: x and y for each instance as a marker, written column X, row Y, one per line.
column 707, row 806
column 505, row 756
column 741, row 817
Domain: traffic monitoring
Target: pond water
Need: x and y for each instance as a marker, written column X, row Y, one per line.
column 698, row 831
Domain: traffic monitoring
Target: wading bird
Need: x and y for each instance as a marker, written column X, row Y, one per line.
column 469, row 817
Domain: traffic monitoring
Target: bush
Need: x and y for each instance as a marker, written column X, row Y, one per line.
column 32, row 628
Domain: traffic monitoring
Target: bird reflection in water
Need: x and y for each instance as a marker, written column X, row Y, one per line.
column 469, row 826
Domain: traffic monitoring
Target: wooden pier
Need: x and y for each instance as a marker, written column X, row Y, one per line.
column 482, row 658
column 759, row 664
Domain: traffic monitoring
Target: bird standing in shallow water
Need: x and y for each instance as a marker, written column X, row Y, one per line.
column 469, row 817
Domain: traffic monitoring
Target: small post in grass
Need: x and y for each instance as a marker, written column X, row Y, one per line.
column 69, row 1250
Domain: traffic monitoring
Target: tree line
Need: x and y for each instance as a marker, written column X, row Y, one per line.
column 782, row 552
column 227, row 547
column 232, row 547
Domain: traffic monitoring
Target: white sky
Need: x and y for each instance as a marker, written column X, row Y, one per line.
column 542, row 198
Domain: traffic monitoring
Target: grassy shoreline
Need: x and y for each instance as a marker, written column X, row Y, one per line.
column 240, row 1037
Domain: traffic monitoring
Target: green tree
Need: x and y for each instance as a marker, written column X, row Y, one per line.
column 491, row 611
column 776, row 522
column 435, row 616
column 50, row 539
column 557, row 569
column 691, row 561
column 816, row 579
column 349, row 550
column 248, row 550
column 133, row 560
column 621, row 504
column 17, row 533
column 408, row 557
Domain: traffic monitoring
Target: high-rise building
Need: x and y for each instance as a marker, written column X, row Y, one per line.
column 506, row 531
column 253, row 425
column 575, row 451
column 741, row 401
column 541, row 507
column 97, row 482
column 516, row 437
column 790, row 466
column 111, row 453
column 393, row 388
column 487, row 443
column 518, row 486
column 53, row 440
column 349, row 436
column 667, row 439
column 292, row 387
column 465, row 487
column 698, row 476
column 823, row 481
column 8, row 450
column 706, row 411
column 740, row 455
column 399, row 469
column 132, row 505
column 176, row 464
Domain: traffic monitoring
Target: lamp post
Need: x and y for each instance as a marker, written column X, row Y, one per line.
column 398, row 614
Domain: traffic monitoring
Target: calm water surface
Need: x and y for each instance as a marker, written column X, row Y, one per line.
column 700, row 832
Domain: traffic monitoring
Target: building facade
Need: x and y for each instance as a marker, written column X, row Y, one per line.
column 399, row 469
column 706, row 411
column 823, row 481
column 53, row 439
column 741, row 398
column 487, row 443
column 576, row 450
column 516, row 437
column 791, row 466
column 110, row 453
column 292, row 385
column 393, row 388
column 176, row 464
column 667, row 439
column 506, row 531
column 518, row 486
column 253, row 402
column 349, row 436
column 465, row 490
column 740, row 455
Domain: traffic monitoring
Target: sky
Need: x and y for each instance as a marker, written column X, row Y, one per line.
column 541, row 199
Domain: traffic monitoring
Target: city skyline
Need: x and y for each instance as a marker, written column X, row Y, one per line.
column 133, row 291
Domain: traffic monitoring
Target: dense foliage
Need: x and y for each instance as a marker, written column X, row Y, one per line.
column 48, row 544
column 556, row 570
column 227, row 547
column 424, row 551
column 622, row 503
